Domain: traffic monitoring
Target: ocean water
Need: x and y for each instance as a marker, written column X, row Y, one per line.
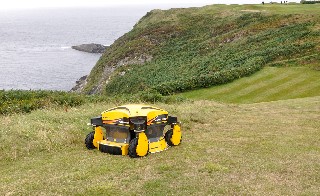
column 35, row 45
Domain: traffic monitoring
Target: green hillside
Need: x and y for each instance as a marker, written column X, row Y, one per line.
column 251, row 149
column 178, row 50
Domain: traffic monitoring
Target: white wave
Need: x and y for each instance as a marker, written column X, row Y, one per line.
column 65, row 47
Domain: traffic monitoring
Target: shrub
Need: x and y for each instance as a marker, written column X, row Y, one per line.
column 20, row 101
column 309, row 2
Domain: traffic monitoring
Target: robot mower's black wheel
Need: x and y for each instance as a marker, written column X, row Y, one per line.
column 89, row 141
column 132, row 148
column 168, row 137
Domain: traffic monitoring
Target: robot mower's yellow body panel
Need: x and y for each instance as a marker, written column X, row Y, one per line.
column 133, row 111
column 158, row 146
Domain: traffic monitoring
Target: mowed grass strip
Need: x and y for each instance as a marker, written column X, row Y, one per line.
column 249, row 149
column 252, row 90
column 269, row 84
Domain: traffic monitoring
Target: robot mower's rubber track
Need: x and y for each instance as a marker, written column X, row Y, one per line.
column 168, row 137
column 132, row 148
column 89, row 141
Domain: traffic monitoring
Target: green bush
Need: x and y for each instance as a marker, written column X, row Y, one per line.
column 309, row 2
column 21, row 101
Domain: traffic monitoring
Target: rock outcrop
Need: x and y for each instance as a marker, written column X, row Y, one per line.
column 79, row 84
column 108, row 70
column 91, row 48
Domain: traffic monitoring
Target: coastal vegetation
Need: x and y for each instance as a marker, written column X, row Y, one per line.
column 26, row 101
column 22, row 101
column 202, row 47
column 309, row 2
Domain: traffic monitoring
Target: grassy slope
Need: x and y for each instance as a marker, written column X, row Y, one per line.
column 270, row 84
column 201, row 47
column 262, row 149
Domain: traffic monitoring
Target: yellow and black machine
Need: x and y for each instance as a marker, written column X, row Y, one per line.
column 135, row 130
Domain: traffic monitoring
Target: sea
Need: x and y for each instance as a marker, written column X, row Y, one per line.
column 35, row 44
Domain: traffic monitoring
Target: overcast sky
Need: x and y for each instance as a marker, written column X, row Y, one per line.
column 25, row 4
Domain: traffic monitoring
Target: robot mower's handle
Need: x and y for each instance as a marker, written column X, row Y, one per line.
column 172, row 120
column 97, row 121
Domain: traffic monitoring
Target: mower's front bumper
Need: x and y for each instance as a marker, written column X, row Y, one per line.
column 113, row 147
column 157, row 146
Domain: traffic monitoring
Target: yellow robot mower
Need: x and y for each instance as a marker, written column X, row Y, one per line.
column 135, row 130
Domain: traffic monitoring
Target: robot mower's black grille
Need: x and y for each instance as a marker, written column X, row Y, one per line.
column 110, row 149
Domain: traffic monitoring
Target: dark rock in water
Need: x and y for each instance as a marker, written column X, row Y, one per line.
column 91, row 48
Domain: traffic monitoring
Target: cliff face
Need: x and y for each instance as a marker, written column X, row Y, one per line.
column 183, row 49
